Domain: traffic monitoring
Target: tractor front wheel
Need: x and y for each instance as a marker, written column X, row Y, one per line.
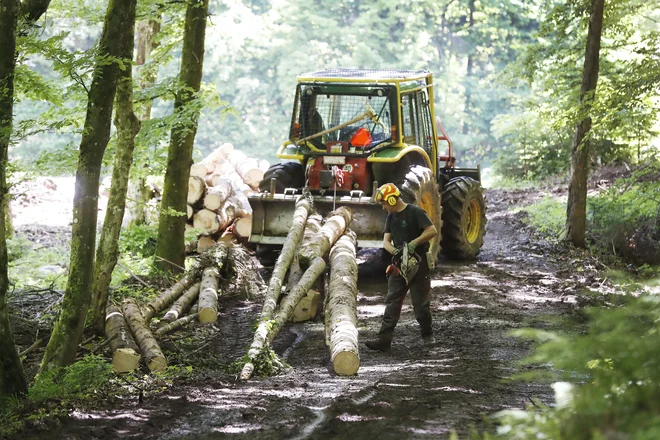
column 287, row 175
column 464, row 216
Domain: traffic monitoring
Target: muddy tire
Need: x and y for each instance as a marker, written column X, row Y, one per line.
column 287, row 175
column 420, row 188
column 464, row 216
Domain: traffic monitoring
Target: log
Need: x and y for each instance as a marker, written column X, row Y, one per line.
column 216, row 195
column 264, row 165
column 208, row 221
column 220, row 154
column 125, row 352
column 342, row 306
column 250, row 172
column 268, row 330
column 182, row 304
column 208, row 296
column 306, row 308
column 189, row 211
column 204, row 242
column 152, row 353
column 312, row 227
column 200, row 170
column 196, row 189
column 243, row 228
column 175, row 325
column 170, row 295
column 286, row 256
column 337, row 222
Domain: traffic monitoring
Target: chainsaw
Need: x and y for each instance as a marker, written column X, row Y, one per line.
column 404, row 264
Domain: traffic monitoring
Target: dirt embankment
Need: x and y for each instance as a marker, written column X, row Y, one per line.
column 414, row 391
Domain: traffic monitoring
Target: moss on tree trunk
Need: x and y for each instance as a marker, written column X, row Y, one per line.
column 12, row 378
column 116, row 44
column 170, row 250
column 128, row 127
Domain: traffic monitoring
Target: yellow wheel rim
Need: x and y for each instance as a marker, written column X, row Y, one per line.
column 472, row 221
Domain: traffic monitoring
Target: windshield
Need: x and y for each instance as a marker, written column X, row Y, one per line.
column 333, row 114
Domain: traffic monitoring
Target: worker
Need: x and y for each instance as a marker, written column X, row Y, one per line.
column 406, row 226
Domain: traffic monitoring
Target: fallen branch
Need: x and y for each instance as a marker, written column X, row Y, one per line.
column 176, row 324
column 157, row 305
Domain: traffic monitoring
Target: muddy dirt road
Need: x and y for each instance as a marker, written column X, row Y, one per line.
column 414, row 391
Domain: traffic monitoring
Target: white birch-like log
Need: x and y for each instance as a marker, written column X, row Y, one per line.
column 264, row 165
column 170, row 295
column 312, row 227
column 182, row 304
column 286, row 256
column 175, row 325
column 208, row 221
column 152, row 353
column 268, row 330
column 217, row 195
column 196, row 189
column 306, row 308
column 208, row 296
column 200, row 170
column 125, row 352
column 337, row 222
column 243, row 228
column 250, row 172
column 342, row 306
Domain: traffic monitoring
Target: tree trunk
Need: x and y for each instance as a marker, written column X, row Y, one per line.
column 152, row 353
column 140, row 190
column 125, row 352
column 116, row 44
column 128, row 127
column 174, row 325
column 170, row 249
column 12, row 378
column 342, row 306
column 576, row 210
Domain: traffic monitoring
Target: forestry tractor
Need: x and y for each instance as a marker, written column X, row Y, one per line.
column 355, row 129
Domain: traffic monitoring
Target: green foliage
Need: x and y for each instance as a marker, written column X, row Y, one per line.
column 267, row 363
column 615, row 371
column 82, row 379
column 31, row 264
column 548, row 216
column 138, row 240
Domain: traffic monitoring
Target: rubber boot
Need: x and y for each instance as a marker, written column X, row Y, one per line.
column 379, row 344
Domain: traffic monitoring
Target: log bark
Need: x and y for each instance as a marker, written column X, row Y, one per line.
column 250, row 172
column 218, row 194
column 175, row 325
column 268, row 330
column 196, row 190
column 152, row 353
column 125, row 352
column 337, row 222
column 170, row 250
column 182, row 304
column 342, row 306
column 170, row 295
column 114, row 50
column 208, row 296
column 286, row 256
column 312, row 227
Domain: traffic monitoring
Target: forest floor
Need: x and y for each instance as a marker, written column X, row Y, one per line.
column 413, row 391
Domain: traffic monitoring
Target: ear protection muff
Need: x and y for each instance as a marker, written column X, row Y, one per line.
column 388, row 192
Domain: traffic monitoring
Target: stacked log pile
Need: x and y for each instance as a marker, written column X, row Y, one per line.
column 217, row 195
column 133, row 332
column 306, row 264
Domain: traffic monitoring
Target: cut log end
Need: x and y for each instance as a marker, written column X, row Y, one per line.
column 306, row 308
column 157, row 363
column 125, row 360
column 208, row 315
column 346, row 363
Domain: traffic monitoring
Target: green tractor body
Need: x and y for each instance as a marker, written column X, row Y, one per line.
column 355, row 129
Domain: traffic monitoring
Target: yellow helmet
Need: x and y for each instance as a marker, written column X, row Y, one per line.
column 388, row 192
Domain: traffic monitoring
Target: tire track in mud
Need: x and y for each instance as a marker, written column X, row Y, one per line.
column 413, row 391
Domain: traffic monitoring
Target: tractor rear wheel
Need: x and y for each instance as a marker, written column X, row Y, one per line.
column 287, row 175
column 464, row 215
column 420, row 188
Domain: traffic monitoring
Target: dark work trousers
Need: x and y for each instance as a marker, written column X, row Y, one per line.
column 397, row 288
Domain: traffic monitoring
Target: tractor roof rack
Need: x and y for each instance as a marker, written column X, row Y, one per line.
column 365, row 75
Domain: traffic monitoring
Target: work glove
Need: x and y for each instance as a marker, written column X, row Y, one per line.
column 411, row 248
